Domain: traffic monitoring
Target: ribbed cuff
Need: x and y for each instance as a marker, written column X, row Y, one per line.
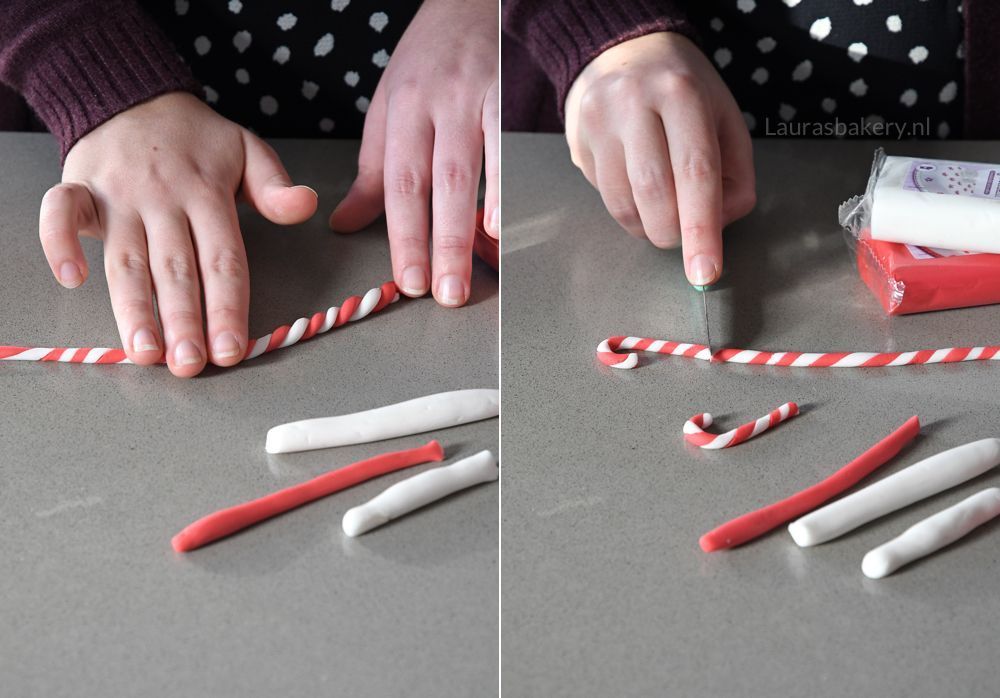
column 563, row 37
column 99, row 70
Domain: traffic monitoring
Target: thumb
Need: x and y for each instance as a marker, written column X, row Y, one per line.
column 267, row 187
column 67, row 211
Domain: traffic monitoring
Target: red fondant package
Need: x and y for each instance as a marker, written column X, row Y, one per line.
column 909, row 279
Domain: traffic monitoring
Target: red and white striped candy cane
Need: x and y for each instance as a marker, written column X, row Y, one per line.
column 608, row 352
column 353, row 308
column 694, row 432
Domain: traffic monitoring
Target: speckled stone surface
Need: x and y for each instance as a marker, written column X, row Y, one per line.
column 605, row 590
column 101, row 465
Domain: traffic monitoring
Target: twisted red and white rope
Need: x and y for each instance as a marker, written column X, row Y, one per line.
column 353, row 308
column 608, row 352
column 694, row 432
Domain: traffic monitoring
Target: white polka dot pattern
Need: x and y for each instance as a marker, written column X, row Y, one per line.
column 802, row 71
column 242, row 40
column 378, row 21
column 309, row 89
column 281, row 55
column 857, row 51
column 294, row 68
column 821, row 28
column 876, row 59
column 918, row 54
column 269, row 105
column 202, row 45
column 324, row 45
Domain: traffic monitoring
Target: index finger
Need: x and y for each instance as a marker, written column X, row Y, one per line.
column 695, row 161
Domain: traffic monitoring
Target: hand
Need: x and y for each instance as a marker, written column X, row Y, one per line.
column 434, row 108
column 654, row 128
column 157, row 184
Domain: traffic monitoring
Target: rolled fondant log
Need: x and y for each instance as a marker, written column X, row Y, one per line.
column 932, row 534
column 415, row 416
column 919, row 481
column 420, row 490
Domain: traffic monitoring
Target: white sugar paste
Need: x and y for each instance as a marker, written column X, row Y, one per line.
column 932, row 534
column 421, row 414
column 420, row 490
column 919, row 481
column 937, row 203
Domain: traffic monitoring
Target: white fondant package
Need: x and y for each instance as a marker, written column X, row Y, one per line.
column 946, row 204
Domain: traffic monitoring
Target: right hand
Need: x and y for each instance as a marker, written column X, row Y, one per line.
column 157, row 184
column 655, row 129
column 435, row 108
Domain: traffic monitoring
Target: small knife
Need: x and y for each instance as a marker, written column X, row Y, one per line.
column 704, row 309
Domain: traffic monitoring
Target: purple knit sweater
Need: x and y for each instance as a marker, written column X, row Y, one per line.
column 546, row 43
column 77, row 63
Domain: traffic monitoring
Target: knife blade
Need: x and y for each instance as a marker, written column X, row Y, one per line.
column 708, row 326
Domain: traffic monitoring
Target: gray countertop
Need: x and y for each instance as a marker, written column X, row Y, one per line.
column 101, row 465
column 605, row 590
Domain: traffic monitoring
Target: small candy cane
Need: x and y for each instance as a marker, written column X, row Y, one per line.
column 695, row 434
column 352, row 309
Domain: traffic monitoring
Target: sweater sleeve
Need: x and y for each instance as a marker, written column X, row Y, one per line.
column 563, row 36
column 77, row 63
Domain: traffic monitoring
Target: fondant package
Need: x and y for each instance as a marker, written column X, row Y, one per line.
column 931, row 203
column 910, row 279
column 924, row 232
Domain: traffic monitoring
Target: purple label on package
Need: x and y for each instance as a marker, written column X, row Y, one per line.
column 959, row 178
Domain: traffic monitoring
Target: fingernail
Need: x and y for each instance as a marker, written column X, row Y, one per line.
column 225, row 346
column 703, row 270
column 414, row 281
column 495, row 222
column 303, row 186
column 187, row 353
column 70, row 275
column 451, row 290
column 144, row 340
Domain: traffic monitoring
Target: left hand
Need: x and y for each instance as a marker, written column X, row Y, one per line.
column 434, row 110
